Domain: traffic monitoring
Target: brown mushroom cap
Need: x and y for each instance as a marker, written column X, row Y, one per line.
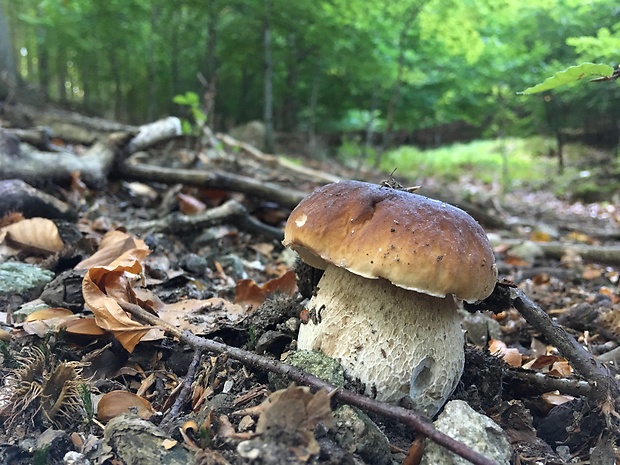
column 374, row 231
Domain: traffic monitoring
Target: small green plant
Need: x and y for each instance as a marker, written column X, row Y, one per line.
column 192, row 102
column 87, row 402
column 8, row 359
column 253, row 338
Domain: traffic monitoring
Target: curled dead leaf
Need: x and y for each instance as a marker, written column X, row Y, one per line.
column 83, row 327
column 511, row 356
column 48, row 313
column 115, row 403
column 38, row 235
column 248, row 293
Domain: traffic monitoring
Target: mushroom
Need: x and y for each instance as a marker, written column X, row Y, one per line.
column 385, row 306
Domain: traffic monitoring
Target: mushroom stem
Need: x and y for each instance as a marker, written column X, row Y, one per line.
column 399, row 343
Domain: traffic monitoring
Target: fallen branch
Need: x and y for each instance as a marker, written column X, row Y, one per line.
column 231, row 211
column 540, row 383
column 17, row 196
column 275, row 161
column 404, row 416
column 594, row 253
column 34, row 166
column 132, row 169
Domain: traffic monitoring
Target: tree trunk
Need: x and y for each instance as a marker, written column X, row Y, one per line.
column 268, row 97
column 314, row 99
column 211, row 62
column 411, row 15
column 8, row 71
column 152, row 70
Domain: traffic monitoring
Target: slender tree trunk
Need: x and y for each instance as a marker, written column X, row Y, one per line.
column 211, row 61
column 268, row 97
column 314, row 99
column 411, row 15
column 61, row 74
column 245, row 85
column 8, row 71
column 369, row 129
column 152, row 70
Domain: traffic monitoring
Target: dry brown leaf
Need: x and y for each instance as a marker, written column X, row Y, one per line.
column 115, row 403
column 511, row 356
column 248, row 293
column 555, row 398
column 591, row 272
column 516, row 261
column 83, row 327
column 190, row 205
column 561, row 369
column 116, row 247
column 296, row 410
column 200, row 316
column 5, row 336
column 104, row 286
column 48, row 313
column 541, row 361
column 39, row 235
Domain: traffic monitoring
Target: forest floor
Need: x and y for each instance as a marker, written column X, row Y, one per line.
column 226, row 277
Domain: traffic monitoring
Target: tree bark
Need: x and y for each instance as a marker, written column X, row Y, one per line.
column 268, row 97
column 8, row 71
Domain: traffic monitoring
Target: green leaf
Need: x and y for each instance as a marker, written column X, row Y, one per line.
column 572, row 74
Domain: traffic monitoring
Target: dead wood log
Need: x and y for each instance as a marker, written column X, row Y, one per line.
column 36, row 167
column 132, row 169
column 396, row 413
column 152, row 133
column 609, row 254
column 230, row 211
column 17, row 196
column 39, row 137
column 69, row 126
column 275, row 161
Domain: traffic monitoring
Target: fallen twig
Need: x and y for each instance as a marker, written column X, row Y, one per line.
column 185, row 393
column 231, row 211
column 539, row 382
column 402, row 415
column 132, row 169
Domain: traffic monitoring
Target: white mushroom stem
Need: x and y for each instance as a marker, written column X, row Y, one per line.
column 397, row 342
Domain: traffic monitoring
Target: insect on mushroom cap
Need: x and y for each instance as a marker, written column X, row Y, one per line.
column 413, row 241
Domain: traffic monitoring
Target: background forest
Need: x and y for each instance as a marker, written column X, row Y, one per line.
column 381, row 74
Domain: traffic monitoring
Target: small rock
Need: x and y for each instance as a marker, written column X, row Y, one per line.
column 272, row 342
column 23, row 279
column 480, row 328
column 459, row 421
column 136, row 441
column 356, row 433
column 528, row 251
column 195, row 264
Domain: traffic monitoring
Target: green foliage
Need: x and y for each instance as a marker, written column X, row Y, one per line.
column 192, row 102
column 8, row 359
column 87, row 402
column 569, row 75
column 481, row 159
column 408, row 64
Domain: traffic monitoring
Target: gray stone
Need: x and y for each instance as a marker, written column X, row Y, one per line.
column 459, row 421
column 356, row 433
column 22, row 278
column 136, row 441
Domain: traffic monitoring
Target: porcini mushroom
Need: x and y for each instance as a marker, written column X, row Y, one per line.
column 385, row 307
